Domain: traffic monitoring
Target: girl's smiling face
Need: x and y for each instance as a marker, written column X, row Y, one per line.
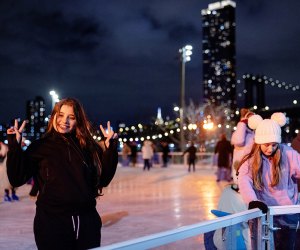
column 65, row 121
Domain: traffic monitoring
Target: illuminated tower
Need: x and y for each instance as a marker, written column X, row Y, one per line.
column 219, row 73
column 159, row 120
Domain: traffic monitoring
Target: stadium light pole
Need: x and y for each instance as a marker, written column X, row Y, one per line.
column 54, row 98
column 185, row 56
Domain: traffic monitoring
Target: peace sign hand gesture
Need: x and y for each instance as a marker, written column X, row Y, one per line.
column 16, row 130
column 108, row 133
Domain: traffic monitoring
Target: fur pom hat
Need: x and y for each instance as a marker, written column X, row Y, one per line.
column 267, row 130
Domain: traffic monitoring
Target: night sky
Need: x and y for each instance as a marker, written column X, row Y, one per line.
column 120, row 57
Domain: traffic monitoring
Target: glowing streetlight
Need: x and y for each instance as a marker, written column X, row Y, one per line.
column 54, row 97
column 185, row 56
column 208, row 125
column 176, row 109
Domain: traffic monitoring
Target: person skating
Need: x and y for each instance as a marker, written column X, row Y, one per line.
column 147, row 154
column 267, row 176
column 70, row 169
column 191, row 151
column 165, row 153
column 224, row 151
column 9, row 190
column 242, row 140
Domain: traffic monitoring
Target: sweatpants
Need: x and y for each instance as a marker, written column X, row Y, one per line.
column 67, row 232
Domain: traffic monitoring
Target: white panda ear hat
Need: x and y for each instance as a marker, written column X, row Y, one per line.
column 267, row 130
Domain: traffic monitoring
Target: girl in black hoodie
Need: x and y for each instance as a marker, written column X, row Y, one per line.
column 70, row 169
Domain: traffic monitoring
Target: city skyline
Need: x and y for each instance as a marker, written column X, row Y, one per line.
column 120, row 58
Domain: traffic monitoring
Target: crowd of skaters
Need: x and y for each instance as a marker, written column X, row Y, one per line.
column 149, row 153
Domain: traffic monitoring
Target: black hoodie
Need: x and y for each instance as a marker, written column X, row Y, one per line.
column 67, row 180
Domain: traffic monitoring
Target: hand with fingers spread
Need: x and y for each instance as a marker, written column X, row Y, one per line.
column 108, row 133
column 16, row 130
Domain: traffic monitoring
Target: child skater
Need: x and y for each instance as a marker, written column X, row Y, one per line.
column 267, row 176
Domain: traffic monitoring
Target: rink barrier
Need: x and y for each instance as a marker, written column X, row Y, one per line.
column 265, row 229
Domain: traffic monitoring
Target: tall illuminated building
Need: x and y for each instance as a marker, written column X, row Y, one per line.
column 219, row 65
column 159, row 120
column 36, row 116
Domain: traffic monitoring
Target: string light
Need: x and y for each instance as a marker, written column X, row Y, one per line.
column 267, row 80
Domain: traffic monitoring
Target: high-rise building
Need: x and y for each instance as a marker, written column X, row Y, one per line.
column 219, row 72
column 36, row 116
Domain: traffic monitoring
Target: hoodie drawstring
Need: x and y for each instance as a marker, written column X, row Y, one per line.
column 74, row 226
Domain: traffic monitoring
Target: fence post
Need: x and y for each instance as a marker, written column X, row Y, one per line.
column 263, row 233
column 270, row 243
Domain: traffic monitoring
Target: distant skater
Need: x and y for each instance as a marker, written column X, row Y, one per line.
column 224, row 151
column 165, row 153
column 133, row 155
column 9, row 190
column 147, row 153
column 191, row 151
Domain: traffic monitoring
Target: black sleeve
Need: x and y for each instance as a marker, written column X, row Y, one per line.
column 19, row 165
column 109, row 163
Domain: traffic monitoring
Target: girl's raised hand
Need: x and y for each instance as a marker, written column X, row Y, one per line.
column 108, row 133
column 17, row 130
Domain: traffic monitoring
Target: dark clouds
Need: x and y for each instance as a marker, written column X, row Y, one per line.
column 120, row 57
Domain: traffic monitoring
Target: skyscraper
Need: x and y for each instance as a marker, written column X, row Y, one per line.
column 36, row 118
column 219, row 73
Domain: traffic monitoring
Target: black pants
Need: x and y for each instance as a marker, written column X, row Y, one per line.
column 191, row 163
column 147, row 164
column 67, row 232
column 287, row 237
column 165, row 160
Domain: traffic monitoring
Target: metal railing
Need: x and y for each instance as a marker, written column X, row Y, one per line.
column 265, row 229
column 273, row 211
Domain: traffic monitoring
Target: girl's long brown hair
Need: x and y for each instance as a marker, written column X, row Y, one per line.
column 83, row 129
column 255, row 160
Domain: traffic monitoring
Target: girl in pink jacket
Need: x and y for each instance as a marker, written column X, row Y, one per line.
column 242, row 139
column 267, row 175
